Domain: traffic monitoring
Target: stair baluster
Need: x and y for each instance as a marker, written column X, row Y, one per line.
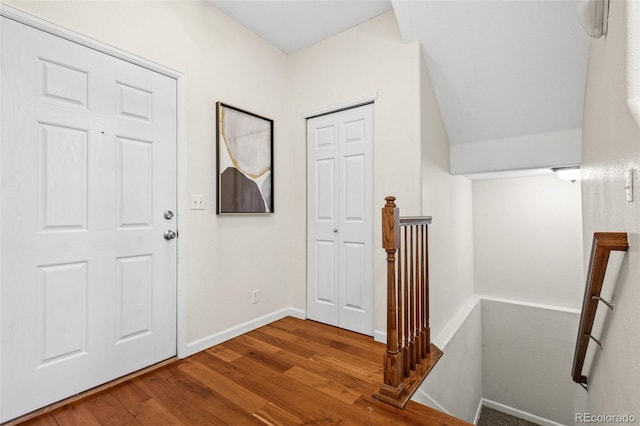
column 410, row 355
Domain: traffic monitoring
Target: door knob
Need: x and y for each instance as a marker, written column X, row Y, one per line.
column 335, row 230
column 169, row 235
column 168, row 214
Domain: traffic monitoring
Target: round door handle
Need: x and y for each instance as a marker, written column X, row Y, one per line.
column 170, row 235
column 335, row 230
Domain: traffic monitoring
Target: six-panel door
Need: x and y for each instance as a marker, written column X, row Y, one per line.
column 88, row 285
column 340, row 220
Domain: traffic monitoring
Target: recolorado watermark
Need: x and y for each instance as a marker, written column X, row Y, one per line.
column 605, row 418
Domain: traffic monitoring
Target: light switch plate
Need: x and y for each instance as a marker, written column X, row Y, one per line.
column 197, row 202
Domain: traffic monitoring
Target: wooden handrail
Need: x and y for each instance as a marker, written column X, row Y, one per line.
column 603, row 244
column 415, row 220
column 410, row 355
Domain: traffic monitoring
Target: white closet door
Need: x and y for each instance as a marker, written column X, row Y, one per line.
column 88, row 156
column 340, row 222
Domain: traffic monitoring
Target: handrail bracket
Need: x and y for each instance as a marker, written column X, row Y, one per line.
column 609, row 305
column 598, row 342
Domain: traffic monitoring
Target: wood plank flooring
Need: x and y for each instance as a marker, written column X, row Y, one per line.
column 290, row 372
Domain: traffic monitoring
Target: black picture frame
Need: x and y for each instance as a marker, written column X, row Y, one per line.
column 244, row 161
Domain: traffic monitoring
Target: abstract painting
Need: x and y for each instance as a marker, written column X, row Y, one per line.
column 244, row 161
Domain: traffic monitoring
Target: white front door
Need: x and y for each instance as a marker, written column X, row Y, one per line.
column 88, row 158
column 339, row 219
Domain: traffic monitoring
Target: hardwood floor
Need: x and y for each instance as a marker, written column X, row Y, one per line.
column 290, row 372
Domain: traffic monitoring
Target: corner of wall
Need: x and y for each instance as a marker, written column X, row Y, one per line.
column 347, row 66
column 455, row 384
column 237, row 330
column 447, row 199
column 633, row 60
column 527, row 350
column 542, row 150
column 612, row 114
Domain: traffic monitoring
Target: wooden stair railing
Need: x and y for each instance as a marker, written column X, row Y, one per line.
column 410, row 355
column 603, row 244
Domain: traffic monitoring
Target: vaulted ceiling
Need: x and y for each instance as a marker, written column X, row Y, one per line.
column 509, row 75
column 292, row 25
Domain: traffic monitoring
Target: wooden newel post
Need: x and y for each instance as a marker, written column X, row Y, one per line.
column 409, row 356
column 393, row 360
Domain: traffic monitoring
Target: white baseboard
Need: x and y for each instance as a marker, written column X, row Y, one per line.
column 448, row 332
column 297, row 313
column 380, row 336
column 425, row 399
column 478, row 411
column 224, row 335
column 518, row 413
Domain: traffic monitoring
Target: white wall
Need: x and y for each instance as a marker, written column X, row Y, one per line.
column 528, row 240
column 611, row 145
column 370, row 58
column 528, row 248
column 411, row 161
column 448, row 199
column 455, row 383
column 527, row 354
column 222, row 62
column 525, row 152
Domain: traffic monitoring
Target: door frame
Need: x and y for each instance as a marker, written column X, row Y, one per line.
column 332, row 109
column 181, row 148
column 353, row 103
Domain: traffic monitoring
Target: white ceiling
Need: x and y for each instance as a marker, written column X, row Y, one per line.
column 292, row 25
column 501, row 69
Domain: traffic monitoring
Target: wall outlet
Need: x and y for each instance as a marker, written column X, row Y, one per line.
column 254, row 296
column 197, row 202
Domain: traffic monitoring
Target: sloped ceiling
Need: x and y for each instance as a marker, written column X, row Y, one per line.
column 501, row 69
column 509, row 75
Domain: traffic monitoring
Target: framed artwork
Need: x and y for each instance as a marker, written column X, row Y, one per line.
column 244, row 145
